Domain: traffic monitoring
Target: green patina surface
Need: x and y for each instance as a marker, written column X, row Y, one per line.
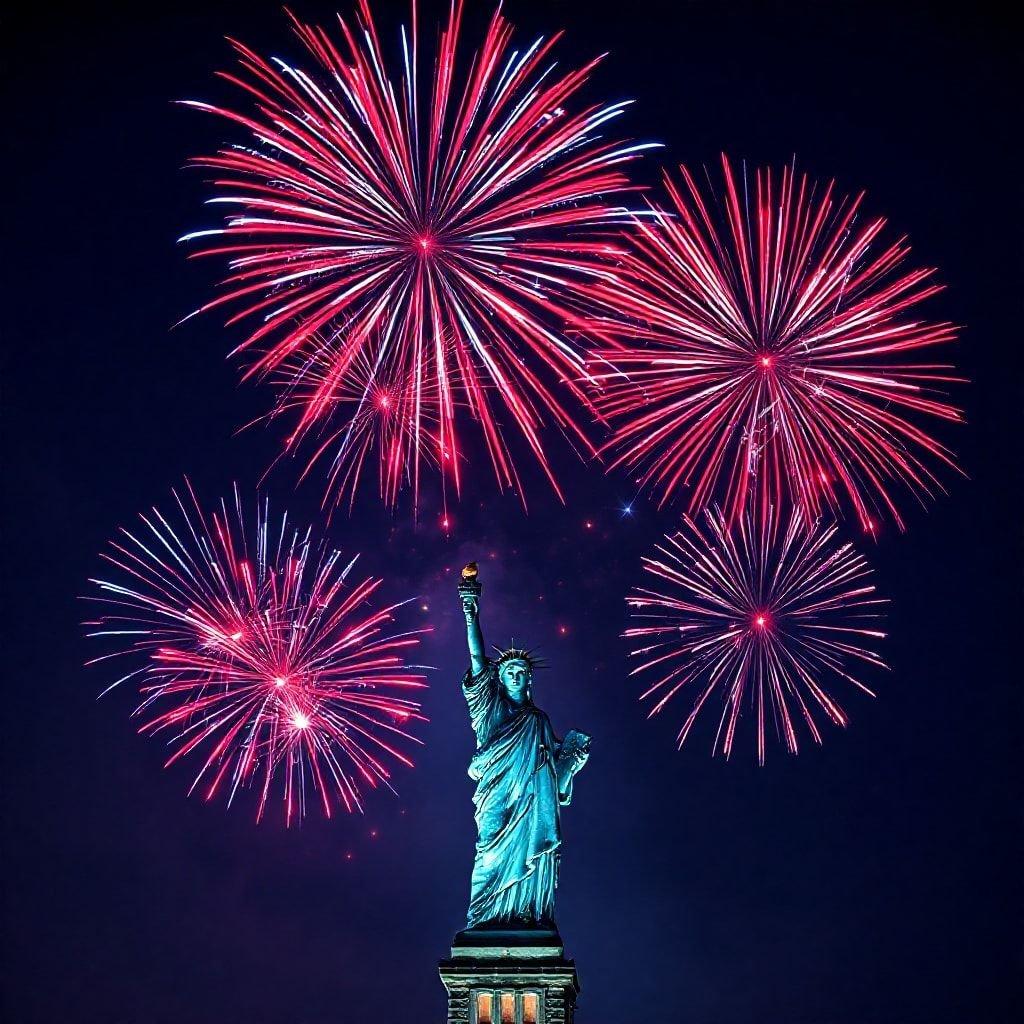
column 524, row 776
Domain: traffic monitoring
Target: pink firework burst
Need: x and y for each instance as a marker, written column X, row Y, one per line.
column 765, row 618
column 257, row 656
column 780, row 354
column 378, row 413
column 461, row 234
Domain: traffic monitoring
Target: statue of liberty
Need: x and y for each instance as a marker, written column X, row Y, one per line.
column 524, row 776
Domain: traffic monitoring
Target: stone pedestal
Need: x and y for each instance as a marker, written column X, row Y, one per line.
column 509, row 977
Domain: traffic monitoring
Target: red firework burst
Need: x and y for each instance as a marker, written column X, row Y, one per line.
column 257, row 656
column 767, row 617
column 462, row 237
column 781, row 357
column 377, row 413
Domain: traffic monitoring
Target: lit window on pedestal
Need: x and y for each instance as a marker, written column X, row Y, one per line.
column 529, row 1008
column 508, row 1007
column 484, row 1013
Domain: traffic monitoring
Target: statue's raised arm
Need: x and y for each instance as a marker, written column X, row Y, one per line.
column 469, row 593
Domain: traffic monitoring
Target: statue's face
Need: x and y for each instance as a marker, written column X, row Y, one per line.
column 516, row 677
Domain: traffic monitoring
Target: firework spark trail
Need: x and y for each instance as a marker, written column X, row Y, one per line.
column 464, row 237
column 778, row 354
column 254, row 653
column 765, row 617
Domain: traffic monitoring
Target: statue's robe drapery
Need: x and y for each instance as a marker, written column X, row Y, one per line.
column 517, row 803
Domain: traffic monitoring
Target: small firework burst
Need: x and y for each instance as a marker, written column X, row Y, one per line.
column 763, row 620
column 379, row 414
column 258, row 656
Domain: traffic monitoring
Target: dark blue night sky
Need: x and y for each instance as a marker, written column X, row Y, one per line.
column 875, row 879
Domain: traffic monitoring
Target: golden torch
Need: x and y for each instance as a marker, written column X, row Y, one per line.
column 470, row 582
